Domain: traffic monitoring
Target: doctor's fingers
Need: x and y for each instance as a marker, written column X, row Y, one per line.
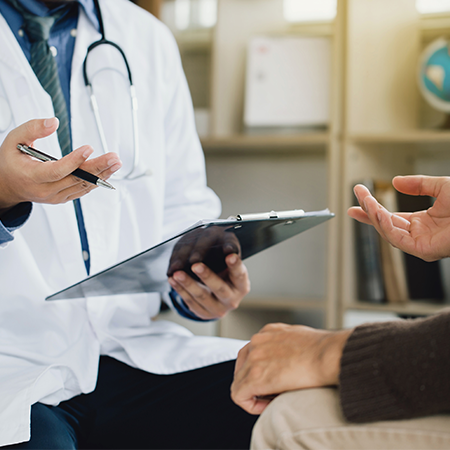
column 76, row 187
column 103, row 166
column 238, row 274
column 69, row 188
column 58, row 192
column 216, row 296
column 52, row 171
column 181, row 252
column 203, row 299
column 29, row 131
column 58, row 170
column 77, row 190
column 225, row 292
column 197, row 297
column 213, row 239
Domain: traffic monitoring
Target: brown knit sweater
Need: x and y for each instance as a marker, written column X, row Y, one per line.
column 397, row 370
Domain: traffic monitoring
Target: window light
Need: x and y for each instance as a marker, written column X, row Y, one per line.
column 309, row 10
column 432, row 6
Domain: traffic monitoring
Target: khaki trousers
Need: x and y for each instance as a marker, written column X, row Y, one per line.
column 311, row 419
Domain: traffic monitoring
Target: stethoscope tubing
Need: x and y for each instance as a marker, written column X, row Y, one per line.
column 94, row 104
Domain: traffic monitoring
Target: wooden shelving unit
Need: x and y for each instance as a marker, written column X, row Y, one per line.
column 384, row 115
column 154, row 6
column 402, row 137
column 282, row 303
column 272, row 143
column 413, row 308
column 375, row 130
column 252, row 173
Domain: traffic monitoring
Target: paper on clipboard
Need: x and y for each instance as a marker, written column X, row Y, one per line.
column 206, row 241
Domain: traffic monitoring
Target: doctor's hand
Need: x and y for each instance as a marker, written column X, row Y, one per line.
column 425, row 234
column 282, row 358
column 24, row 179
column 205, row 268
column 216, row 294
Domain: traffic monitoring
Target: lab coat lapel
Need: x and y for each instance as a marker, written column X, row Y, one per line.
column 20, row 84
column 28, row 100
column 86, row 35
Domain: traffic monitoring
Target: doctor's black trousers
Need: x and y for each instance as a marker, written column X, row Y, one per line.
column 132, row 409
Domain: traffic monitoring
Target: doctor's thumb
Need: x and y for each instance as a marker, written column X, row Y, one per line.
column 34, row 129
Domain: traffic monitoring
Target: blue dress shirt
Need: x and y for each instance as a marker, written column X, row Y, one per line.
column 62, row 34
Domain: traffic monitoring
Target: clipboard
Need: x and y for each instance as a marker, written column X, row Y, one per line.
column 207, row 241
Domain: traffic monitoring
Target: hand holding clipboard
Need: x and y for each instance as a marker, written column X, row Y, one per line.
column 147, row 271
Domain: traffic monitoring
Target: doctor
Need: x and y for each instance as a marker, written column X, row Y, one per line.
column 99, row 372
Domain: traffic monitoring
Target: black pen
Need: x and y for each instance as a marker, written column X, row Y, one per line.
column 79, row 173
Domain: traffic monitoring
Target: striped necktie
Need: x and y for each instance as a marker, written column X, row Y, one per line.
column 44, row 65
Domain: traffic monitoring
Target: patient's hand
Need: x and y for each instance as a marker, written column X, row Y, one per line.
column 283, row 358
column 425, row 234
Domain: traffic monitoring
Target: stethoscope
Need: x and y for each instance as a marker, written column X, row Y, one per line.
column 94, row 104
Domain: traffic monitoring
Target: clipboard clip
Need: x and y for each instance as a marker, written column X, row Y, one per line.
column 291, row 214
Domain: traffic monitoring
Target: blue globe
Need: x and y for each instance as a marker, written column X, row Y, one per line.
column 434, row 74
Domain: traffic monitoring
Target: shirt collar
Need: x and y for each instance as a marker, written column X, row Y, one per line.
column 38, row 8
column 90, row 11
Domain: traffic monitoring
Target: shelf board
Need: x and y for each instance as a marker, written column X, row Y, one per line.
column 271, row 142
column 401, row 137
column 412, row 307
column 314, row 28
column 282, row 303
column 434, row 26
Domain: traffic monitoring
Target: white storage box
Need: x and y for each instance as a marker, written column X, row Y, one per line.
column 288, row 82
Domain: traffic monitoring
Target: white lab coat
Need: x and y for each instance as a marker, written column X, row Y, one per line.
column 49, row 351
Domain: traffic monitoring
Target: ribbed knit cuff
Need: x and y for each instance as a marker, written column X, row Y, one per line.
column 365, row 396
column 397, row 370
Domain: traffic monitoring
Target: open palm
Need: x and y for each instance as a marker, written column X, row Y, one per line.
column 425, row 234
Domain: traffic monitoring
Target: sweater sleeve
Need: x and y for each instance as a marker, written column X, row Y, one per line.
column 397, row 370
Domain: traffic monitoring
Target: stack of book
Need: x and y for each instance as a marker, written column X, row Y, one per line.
column 385, row 273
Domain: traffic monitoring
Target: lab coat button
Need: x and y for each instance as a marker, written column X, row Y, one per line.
column 73, row 32
column 20, row 33
column 53, row 50
column 85, row 255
